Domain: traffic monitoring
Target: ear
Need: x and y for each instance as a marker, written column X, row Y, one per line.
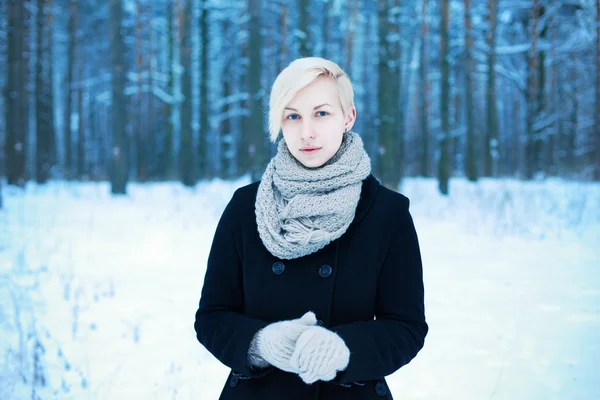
column 350, row 119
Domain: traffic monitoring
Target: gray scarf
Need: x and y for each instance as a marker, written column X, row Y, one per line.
column 300, row 210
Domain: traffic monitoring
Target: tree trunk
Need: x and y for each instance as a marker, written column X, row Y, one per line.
column 119, row 165
column 151, row 131
column 398, row 109
column 384, row 92
column 390, row 148
column 305, row 44
column 597, row 113
column 167, row 159
column 471, row 161
column 491, row 141
column 53, row 157
column 68, row 141
column 424, row 93
column 540, row 134
column 16, row 94
column 43, row 93
column 443, row 171
column 572, row 160
column 203, row 77
column 225, row 126
column 283, row 23
column 518, row 144
column 351, row 36
column 187, row 170
column 550, row 153
column 93, row 151
column 455, row 125
column 327, row 36
column 81, row 139
column 532, row 85
column 255, row 123
column 140, row 129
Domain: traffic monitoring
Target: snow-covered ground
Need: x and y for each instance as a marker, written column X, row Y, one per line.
column 109, row 287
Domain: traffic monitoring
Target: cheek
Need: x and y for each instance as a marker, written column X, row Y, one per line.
column 332, row 124
column 291, row 140
column 288, row 129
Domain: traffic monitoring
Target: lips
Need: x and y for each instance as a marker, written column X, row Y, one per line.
column 309, row 150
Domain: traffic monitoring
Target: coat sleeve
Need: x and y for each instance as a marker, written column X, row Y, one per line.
column 380, row 347
column 221, row 325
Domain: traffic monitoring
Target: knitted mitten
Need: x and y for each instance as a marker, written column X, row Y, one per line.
column 319, row 355
column 275, row 343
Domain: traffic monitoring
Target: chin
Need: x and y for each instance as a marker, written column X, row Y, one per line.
column 313, row 164
column 310, row 163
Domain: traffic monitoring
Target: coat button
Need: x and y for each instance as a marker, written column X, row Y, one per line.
column 278, row 268
column 380, row 389
column 234, row 381
column 325, row 271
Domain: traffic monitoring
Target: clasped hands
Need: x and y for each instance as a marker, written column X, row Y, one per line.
column 301, row 346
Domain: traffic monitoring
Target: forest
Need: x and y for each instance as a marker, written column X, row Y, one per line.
column 177, row 90
column 127, row 125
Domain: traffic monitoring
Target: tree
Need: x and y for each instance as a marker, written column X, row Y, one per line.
column 45, row 156
column 140, row 131
column 167, row 162
column 390, row 158
column 597, row 112
column 81, row 136
column 254, row 127
column 187, row 170
column 531, row 94
column 203, row 77
column 491, row 140
column 471, row 160
column 541, row 133
column 68, row 107
column 351, row 36
column 149, row 142
column 424, row 92
column 16, row 94
column 304, row 41
column 119, row 162
column 443, row 170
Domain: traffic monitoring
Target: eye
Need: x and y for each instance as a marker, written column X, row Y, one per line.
column 322, row 113
column 293, row 117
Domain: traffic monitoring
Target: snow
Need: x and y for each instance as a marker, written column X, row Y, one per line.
column 110, row 286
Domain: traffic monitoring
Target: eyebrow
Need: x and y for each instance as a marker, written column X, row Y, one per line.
column 314, row 108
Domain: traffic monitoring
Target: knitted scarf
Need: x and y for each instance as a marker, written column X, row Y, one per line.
column 300, row 210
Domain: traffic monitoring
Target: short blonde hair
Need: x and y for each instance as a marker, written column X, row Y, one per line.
column 295, row 77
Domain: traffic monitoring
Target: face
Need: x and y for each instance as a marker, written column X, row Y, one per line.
column 313, row 123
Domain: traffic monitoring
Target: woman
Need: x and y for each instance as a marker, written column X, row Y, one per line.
column 314, row 287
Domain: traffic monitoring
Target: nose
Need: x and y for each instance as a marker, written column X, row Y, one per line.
column 308, row 131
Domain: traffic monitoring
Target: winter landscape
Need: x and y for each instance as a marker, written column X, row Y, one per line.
column 127, row 125
column 109, row 287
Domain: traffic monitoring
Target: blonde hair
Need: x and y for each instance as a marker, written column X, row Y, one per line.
column 295, row 77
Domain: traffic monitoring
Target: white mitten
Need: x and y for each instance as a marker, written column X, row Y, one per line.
column 319, row 355
column 275, row 343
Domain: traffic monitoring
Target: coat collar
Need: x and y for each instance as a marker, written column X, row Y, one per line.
column 370, row 185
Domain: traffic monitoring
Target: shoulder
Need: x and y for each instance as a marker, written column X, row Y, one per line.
column 246, row 193
column 391, row 200
column 394, row 213
column 242, row 201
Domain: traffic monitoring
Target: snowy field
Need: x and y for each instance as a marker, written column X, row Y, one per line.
column 107, row 288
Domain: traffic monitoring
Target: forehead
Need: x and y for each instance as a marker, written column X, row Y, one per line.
column 321, row 90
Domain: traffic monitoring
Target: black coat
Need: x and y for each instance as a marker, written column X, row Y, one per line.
column 373, row 271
